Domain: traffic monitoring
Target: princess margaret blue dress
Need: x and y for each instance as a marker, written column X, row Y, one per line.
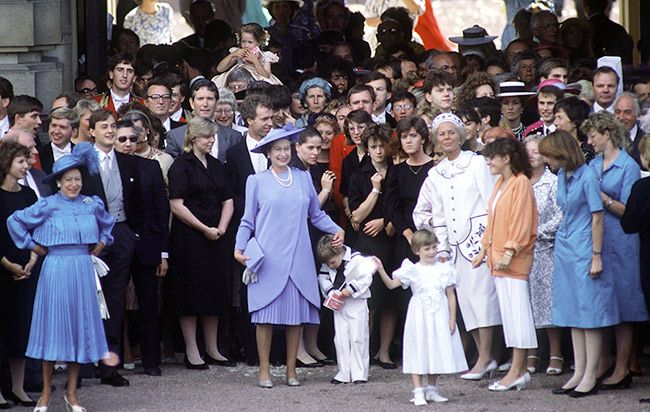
column 66, row 324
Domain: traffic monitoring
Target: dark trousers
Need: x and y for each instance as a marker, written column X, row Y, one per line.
column 118, row 258
column 146, row 289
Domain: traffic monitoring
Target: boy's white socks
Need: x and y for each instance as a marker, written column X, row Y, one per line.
column 432, row 394
column 418, row 397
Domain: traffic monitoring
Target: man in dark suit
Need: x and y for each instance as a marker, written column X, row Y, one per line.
column 203, row 100
column 609, row 38
column 151, row 251
column 158, row 100
column 118, row 185
column 240, row 163
column 626, row 110
column 63, row 124
column 383, row 93
column 201, row 12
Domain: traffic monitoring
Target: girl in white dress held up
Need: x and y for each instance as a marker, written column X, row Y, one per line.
column 453, row 202
column 432, row 343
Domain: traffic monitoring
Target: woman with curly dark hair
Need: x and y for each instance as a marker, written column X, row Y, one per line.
column 18, row 277
column 478, row 84
column 508, row 244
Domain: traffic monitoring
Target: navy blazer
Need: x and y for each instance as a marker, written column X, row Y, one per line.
column 227, row 138
column 633, row 150
column 154, row 230
column 46, row 156
column 43, row 189
column 92, row 186
column 238, row 168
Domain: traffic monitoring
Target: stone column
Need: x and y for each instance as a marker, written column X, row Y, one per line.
column 37, row 46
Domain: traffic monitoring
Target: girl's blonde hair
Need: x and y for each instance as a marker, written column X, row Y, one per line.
column 421, row 238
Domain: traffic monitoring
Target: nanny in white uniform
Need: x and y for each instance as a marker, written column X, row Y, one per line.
column 453, row 202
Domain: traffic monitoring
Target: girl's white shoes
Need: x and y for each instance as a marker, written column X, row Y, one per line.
column 418, row 397
column 430, row 393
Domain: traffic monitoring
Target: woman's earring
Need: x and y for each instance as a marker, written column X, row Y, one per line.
column 58, row 185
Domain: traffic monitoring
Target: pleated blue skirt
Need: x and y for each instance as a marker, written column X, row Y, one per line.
column 66, row 324
column 289, row 308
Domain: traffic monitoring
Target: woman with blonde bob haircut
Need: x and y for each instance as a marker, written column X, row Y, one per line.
column 617, row 172
column 202, row 206
column 583, row 296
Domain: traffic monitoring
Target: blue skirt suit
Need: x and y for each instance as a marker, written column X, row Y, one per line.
column 66, row 324
column 578, row 300
column 620, row 250
column 276, row 215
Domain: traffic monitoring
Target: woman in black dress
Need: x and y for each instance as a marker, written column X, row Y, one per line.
column 403, row 184
column 18, row 274
column 328, row 128
column 308, row 149
column 202, row 206
column 367, row 201
column 355, row 123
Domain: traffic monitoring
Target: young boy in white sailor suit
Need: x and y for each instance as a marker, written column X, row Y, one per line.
column 345, row 278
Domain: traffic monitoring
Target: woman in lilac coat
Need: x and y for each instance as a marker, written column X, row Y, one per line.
column 279, row 201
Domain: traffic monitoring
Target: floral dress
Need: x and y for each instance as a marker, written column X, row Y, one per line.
column 540, row 281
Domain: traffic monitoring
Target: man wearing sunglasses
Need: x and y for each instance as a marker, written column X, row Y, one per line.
column 149, row 262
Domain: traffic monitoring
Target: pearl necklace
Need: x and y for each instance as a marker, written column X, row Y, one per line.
column 283, row 182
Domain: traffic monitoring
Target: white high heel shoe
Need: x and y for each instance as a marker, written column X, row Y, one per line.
column 519, row 383
column 72, row 408
column 42, row 408
column 489, row 370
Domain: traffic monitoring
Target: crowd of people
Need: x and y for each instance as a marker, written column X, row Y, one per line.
column 468, row 212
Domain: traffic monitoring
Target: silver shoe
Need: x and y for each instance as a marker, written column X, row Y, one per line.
column 293, row 382
column 268, row 384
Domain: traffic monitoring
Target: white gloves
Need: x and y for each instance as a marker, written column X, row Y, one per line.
column 249, row 277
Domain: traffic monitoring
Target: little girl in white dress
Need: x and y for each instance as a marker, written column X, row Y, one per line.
column 432, row 343
column 249, row 56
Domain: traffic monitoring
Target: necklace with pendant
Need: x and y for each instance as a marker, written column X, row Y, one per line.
column 414, row 171
column 283, row 182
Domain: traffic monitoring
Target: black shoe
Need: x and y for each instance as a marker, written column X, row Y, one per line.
column 562, row 391
column 386, row 365
column 17, row 401
column 577, row 394
column 301, row 364
column 622, row 384
column 327, row 361
column 334, row 381
column 359, row 382
column 200, row 367
column 116, row 380
column 212, row 361
column 153, row 371
column 5, row 405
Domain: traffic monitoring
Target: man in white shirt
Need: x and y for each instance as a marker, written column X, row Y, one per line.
column 605, row 86
column 63, row 125
column 6, row 94
column 626, row 110
column 383, row 92
column 122, row 75
column 362, row 97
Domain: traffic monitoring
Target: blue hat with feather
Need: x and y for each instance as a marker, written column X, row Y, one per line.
column 83, row 155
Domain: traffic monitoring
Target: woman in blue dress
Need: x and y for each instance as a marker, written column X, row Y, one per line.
column 617, row 172
column 66, row 228
column 279, row 201
column 583, row 296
